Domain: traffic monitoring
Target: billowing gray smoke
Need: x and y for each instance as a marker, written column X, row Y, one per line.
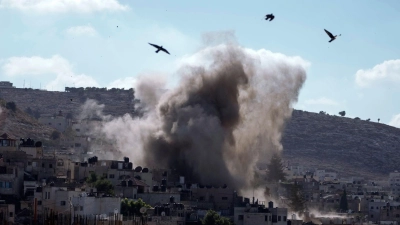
column 227, row 113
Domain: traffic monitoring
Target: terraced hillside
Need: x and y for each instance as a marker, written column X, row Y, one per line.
column 117, row 101
column 349, row 146
column 20, row 125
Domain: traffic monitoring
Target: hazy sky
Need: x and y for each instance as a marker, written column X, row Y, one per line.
column 56, row 43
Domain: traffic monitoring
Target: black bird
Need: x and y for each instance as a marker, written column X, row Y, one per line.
column 331, row 35
column 269, row 17
column 159, row 48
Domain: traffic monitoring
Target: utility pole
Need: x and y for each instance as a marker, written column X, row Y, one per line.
column 35, row 211
column 70, row 210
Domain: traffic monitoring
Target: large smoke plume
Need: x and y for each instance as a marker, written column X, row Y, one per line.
column 227, row 112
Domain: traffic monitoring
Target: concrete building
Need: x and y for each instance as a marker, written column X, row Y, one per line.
column 374, row 211
column 7, row 212
column 220, row 197
column 7, row 143
column 57, row 197
column 258, row 214
column 390, row 213
column 394, row 183
column 132, row 188
column 32, row 148
column 41, row 168
column 11, row 179
column 58, row 122
column 323, row 175
column 88, row 205
column 6, row 84
column 157, row 198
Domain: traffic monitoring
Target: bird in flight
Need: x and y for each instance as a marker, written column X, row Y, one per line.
column 159, row 48
column 331, row 35
column 269, row 17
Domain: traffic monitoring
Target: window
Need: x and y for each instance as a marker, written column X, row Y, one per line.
column 284, row 218
column 11, row 214
column 372, row 216
column 266, row 218
column 39, row 202
column 50, row 165
column 279, row 218
column 6, row 185
column 224, row 198
column 43, row 165
column 81, row 208
column 62, row 202
column 240, row 217
column 29, row 163
column 111, row 176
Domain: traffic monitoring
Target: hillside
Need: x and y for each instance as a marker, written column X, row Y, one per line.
column 19, row 124
column 349, row 146
column 117, row 101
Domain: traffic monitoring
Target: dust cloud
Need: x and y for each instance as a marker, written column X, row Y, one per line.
column 226, row 113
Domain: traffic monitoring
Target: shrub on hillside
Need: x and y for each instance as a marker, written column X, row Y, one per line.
column 11, row 106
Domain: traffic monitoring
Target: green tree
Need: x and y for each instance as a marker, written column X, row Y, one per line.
column 102, row 185
column 342, row 113
column 137, row 205
column 275, row 169
column 126, row 207
column 92, row 178
column 212, row 218
column 297, row 201
column 343, row 202
column 131, row 207
column 55, row 135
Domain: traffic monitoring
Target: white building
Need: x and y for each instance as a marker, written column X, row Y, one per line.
column 7, row 212
column 394, row 183
column 58, row 121
column 55, row 198
column 322, row 175
column 87, row 205
column 255, row 214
